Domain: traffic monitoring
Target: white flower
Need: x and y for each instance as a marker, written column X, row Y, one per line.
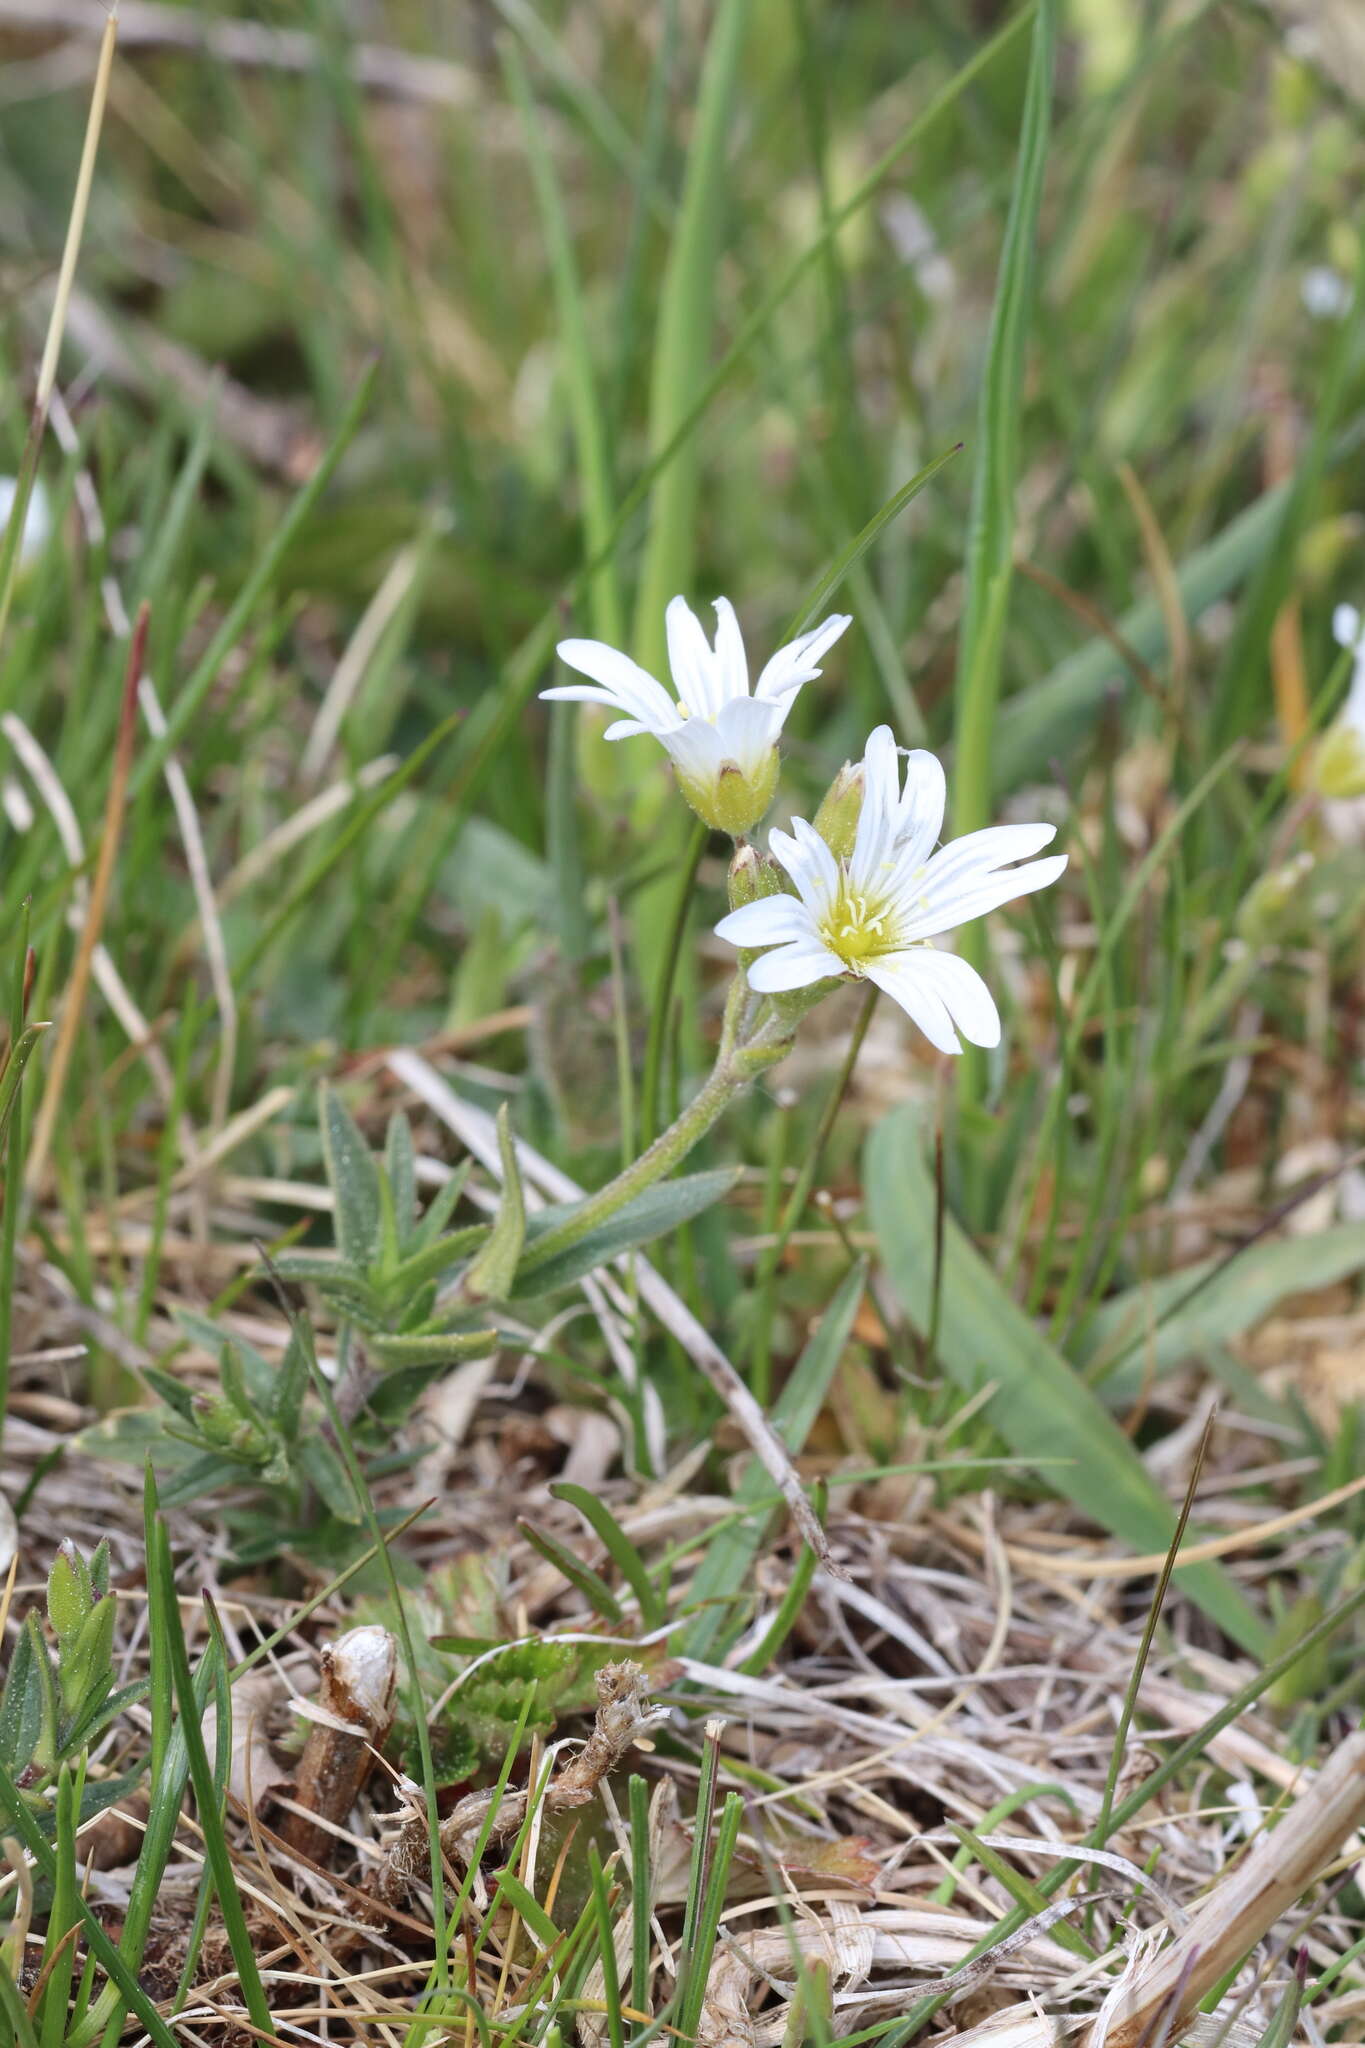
column 873, row 915
column 721, row 739
column 37, row 519
column 1339, row 765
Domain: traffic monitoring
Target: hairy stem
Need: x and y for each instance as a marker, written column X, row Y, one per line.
column 736, row 1065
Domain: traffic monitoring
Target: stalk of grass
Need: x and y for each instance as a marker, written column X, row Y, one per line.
column 166, row 1616
column 989, row 566
column 189, row 700
column 641, row 1934
column 47, row 369
column 123, row 1985
column 765, row 1277
column 793, row 1600
column 63, row 1921
column 661, row 1005
column 585, row 410
column 699, row 1942
column 13, row 1143
column 73, row 1005
column 606, row 1948
column 683, row 335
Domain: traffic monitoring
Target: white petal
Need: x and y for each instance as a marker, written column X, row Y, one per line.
column 793, row 966
column 800, row 659
column 624, row 729
column 771, row 921
column 697, row 749
column 1347, row 627
column 807, row 875
column 963, row 994
column 920, row 818
column 629, row 686
column 731, row 665
column 898, row 974
column 748, row 732
column 881, row 797
column 690, row 660
column 819, row 863
column 942, row 910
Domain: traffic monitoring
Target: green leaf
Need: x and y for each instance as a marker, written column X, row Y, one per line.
column 400, row 1167
column 618, row 1546
column 70, row 1594
column 174, row 1392
column 1040, row 1406
column 442, row 1207
column 433, row 1261
column 325, row 1473
column 44, row 1751
column 13, row 1073
column 850, row 556
column 731, row 1551
column 659, row 1209
column 21, row 1707
column 491, row 1273
column 354, row 1178
column 85, row 1669
column 437, row 1347
column 590, row 1584
column 1160, row 1323
column 290, row 1387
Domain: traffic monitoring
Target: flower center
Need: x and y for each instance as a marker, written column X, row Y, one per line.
column 858, row 927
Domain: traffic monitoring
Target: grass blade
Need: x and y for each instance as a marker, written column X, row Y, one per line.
column 989, row 565
column 682, row 338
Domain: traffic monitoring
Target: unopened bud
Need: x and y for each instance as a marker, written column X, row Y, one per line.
column 837, row 818
column 752, row 875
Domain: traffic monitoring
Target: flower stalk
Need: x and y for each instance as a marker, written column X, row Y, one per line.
column 741, row 1057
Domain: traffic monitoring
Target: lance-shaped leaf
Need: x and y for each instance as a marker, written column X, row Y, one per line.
column 431, row 1347
column 355, row 1181
column 70, row 1592
column 661, row 1208
column 491, row 1273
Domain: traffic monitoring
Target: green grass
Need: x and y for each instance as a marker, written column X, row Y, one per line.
column 693, row 301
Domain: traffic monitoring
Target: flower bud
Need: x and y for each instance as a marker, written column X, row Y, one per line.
column 731, row 799
column 752, row 874
column 1338, row 766
column 837, row 818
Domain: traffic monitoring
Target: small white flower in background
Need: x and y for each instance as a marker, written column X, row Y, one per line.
column 37, row 519
column 722, row 739
column 1324, row 292
column 1339, row 766
column 873, row 914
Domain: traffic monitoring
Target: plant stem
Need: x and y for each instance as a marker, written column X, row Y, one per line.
column 760, row 1363
column 736, row 1066
column 652, row 1079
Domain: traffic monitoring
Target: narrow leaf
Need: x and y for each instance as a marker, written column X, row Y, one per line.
column 354, row 1178
column 659, row 1209
column 491, row 1273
